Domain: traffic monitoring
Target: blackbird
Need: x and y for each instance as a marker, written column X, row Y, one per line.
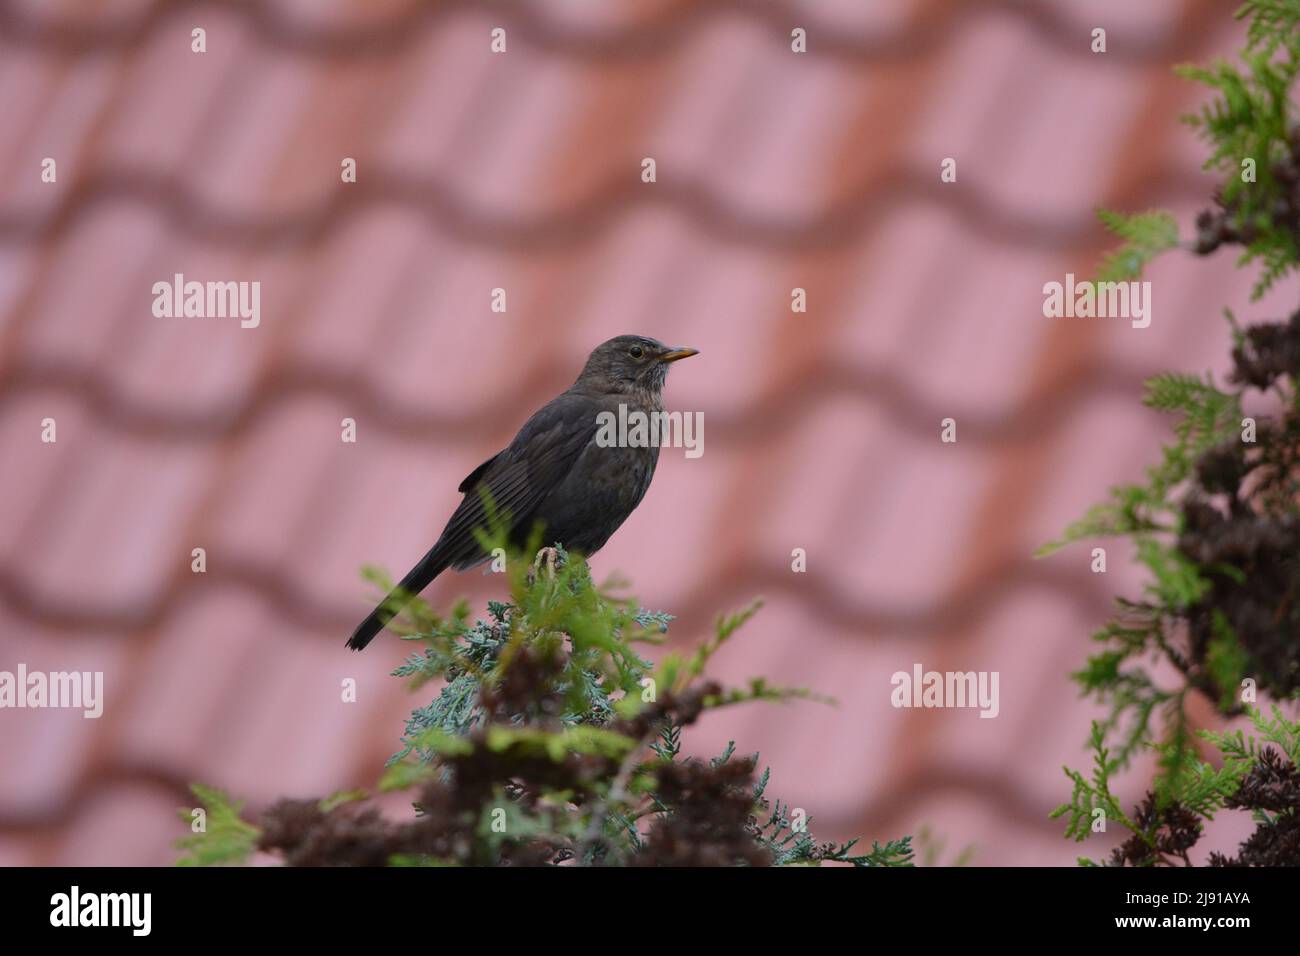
column 554, row 473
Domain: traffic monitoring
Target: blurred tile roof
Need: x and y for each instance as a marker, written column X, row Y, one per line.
column 521, row 171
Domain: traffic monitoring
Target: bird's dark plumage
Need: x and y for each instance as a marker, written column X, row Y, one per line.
column 554, row 472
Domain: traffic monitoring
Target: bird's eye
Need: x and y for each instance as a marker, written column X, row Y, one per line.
column 636, row 351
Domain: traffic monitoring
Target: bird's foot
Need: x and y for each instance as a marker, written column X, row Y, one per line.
column 550, row 556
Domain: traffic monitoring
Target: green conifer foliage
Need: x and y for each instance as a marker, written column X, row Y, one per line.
column 1216, row 522
column 551, row 739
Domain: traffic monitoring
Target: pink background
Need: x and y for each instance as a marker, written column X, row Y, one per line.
column 521, row 171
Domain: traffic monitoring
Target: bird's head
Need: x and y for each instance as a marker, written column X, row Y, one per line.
column 631, row 363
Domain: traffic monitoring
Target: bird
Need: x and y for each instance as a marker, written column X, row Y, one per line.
column 554, row 473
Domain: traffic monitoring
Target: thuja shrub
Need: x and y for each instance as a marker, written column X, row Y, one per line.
column 1216, row 522
column 551, row 739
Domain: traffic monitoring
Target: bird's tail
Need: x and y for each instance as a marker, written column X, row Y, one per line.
column 416, row 580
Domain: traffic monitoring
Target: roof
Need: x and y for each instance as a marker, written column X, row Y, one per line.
column 522, row 171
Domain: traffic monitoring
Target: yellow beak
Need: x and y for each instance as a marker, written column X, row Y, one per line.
column 672, row 355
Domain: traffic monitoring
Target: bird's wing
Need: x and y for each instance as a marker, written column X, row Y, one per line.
column 523, row 474
column 472, row 478
column 517, row 480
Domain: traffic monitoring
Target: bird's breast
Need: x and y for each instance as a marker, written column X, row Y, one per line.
column 604, row 486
